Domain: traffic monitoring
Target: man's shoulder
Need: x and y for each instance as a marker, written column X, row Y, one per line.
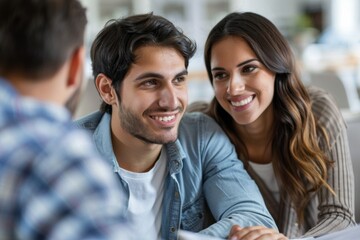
column 197, row 118
column 39, row 127
column 90, row 121
column 197, row 124
column 39, row 137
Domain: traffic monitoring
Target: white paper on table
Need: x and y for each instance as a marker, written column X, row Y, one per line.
column 186, row 235
column 307, row 238
column 350, row 233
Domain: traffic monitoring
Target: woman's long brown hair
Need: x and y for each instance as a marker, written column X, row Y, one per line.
column 301, row 165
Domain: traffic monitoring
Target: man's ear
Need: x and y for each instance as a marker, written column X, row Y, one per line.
column 76, row 67
column 105, row 89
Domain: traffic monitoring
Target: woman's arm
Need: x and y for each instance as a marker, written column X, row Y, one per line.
column 336, row 212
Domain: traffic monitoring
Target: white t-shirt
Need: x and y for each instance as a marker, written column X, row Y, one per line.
column 267, row 174
column 146, row 197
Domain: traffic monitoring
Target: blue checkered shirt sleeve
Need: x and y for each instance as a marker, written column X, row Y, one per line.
column 54, row 185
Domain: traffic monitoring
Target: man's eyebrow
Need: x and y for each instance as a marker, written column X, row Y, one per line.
column 148, row 75
column 157, row 75
column 239, row 65
column 182, row 73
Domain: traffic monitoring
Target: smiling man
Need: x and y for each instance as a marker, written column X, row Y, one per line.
column 178, row 171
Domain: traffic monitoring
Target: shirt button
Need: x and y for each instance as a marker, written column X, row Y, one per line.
column 176, row 194
column 172, row 229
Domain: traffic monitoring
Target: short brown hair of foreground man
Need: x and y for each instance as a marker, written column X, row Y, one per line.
column 176, row 169
column 53, row 184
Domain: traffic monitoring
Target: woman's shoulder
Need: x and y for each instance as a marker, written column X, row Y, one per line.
column 323, row 104
column 326, row 112
column 320, row 98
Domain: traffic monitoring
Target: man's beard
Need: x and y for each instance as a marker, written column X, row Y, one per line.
column 132, row 124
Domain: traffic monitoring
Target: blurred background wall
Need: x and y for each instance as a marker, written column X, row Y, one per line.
column 324, row 35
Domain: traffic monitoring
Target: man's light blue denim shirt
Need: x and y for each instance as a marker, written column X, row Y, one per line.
column 207, row 189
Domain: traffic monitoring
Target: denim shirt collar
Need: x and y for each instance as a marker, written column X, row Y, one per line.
column 102, row 139
column 176, row 155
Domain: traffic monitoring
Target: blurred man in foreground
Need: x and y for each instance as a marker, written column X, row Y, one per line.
column 53, row 185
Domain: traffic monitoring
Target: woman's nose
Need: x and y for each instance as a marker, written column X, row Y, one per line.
column 236, row 85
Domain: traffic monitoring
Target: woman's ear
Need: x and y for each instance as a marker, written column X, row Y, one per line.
column 105, row 89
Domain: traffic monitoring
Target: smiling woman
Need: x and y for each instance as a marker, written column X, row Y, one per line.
column 243, row 85
column 292, row 139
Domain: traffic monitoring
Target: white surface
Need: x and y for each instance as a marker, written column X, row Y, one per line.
column 186, row 235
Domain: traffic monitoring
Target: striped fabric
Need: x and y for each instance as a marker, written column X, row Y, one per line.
column 326, row 212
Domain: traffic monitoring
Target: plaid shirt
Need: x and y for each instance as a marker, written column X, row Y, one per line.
column 53, row 185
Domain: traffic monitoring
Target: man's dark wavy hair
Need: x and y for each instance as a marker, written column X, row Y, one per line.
column 113, row 50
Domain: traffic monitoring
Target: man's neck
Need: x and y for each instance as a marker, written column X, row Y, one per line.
column 49, row 89
column 133, row 154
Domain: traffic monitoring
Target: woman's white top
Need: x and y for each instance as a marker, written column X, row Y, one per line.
column 267, row 175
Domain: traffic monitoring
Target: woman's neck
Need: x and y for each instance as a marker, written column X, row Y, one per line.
column 258, row 137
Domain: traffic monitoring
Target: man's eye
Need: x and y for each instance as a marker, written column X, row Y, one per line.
column 180, row 79
column 150, row 82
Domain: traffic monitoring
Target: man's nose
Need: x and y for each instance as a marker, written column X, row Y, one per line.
column 168, row 98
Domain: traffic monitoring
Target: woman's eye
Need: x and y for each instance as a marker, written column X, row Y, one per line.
column 248, row 69
column 219, row 76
